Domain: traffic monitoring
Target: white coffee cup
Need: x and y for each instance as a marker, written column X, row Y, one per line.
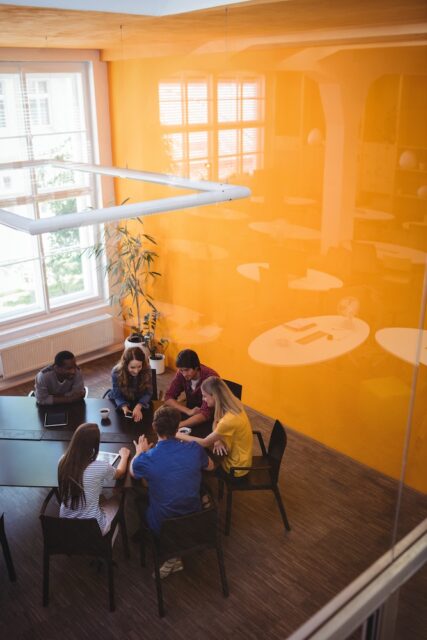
column 104, row 413
column 185, row 430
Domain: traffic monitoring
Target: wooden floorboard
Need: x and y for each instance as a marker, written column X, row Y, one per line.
column 341, row 514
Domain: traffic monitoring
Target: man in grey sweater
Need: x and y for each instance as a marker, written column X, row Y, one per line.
column 61, row 382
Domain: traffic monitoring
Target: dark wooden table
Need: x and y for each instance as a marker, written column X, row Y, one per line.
column 29, row 452
column 21, row 418
column 35, row 463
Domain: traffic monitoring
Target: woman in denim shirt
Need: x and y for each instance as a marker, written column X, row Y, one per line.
column 131, row 378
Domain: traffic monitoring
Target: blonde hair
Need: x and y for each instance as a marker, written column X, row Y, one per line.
column 225, row 401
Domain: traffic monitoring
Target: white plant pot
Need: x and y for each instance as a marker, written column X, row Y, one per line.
column 141, row 345
column 158, row 364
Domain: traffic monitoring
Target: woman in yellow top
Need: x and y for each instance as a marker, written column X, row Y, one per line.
column 232, row 433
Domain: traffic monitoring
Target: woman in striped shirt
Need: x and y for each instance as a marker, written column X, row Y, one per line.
column 81, row 476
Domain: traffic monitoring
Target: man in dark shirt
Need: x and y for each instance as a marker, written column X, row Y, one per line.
column 188, row 380
column 61, row 382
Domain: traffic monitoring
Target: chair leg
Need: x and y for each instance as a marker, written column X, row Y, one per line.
column 221, row 566
column 158, row 585
column 6, row 552
column 110, row 572
column 281, row 508
column 46, row 560
column 124, row 534
column 220, row 489
column 228, row 511
column 142, row 551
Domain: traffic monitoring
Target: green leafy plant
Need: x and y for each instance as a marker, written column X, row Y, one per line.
column 154, row 345
column 129, row 262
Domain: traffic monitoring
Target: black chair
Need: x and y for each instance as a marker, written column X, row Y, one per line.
column 262, row 475
column 235, row 388
column 6, row 551
column 153, row 384
column 69, row 536
column 183, row 536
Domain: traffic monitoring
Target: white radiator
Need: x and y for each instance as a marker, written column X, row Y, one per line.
column 28, row 354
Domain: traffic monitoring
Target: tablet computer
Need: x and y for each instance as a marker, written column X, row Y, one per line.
column 108, row 456
column 55, row 419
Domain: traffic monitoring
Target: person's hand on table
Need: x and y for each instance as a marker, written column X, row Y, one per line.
column 142, row 445
column 193, row 411
column 137, row 413
column 124, row 453
column 126, row 410
column 219, row 448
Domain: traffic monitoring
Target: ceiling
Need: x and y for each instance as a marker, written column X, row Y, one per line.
column 242, row 26
column 141, row 8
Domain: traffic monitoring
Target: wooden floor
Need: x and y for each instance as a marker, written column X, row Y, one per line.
column 341, row 515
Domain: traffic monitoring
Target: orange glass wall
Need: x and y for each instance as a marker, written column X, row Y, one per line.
column 306, row 292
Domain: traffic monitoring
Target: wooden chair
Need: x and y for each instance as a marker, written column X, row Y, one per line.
column 183, row 536
column 153, row 384
column 262, row 475
column 69, row 536
column 6, row 551
column 235, row 388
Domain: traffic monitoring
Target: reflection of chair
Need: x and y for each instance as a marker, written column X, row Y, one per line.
column 364, row 262
column 153, row 384
column 78, row 536
column 183, row 536
column 263, row 474
column 32, row 393
column 6, row 551
column 384, row 401
column 235, row 388
column 399, row 270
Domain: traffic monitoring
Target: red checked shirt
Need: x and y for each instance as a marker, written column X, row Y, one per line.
column 193, row 396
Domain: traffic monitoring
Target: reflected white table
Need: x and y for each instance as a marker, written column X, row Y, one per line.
column 410, row 224
column 316, row 281
column 398, row 251
column 281, row 228
column 402, row 343
column 252, row 270
column 328, row 337
column 373, row 214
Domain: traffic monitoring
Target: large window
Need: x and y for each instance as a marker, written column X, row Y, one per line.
column 45, row 113
column 213, row 128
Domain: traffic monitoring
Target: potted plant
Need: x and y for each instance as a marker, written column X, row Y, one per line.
column 129, row 261
column 155, row 347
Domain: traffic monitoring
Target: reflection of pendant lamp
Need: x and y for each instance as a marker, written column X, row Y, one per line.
column 422, row 192
column 314, row 137
column 408, row 160
column 208, row 193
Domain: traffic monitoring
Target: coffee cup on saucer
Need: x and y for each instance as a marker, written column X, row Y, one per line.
column 105, row 412
column 185, row 430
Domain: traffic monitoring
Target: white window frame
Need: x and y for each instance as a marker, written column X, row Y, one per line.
column 97, row 95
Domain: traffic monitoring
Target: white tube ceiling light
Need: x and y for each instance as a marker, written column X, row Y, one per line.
column 207, row 193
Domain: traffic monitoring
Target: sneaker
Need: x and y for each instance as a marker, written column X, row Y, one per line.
column 206, row 501
column 170, row 566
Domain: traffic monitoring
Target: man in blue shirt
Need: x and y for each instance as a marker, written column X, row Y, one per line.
column 173, row 471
